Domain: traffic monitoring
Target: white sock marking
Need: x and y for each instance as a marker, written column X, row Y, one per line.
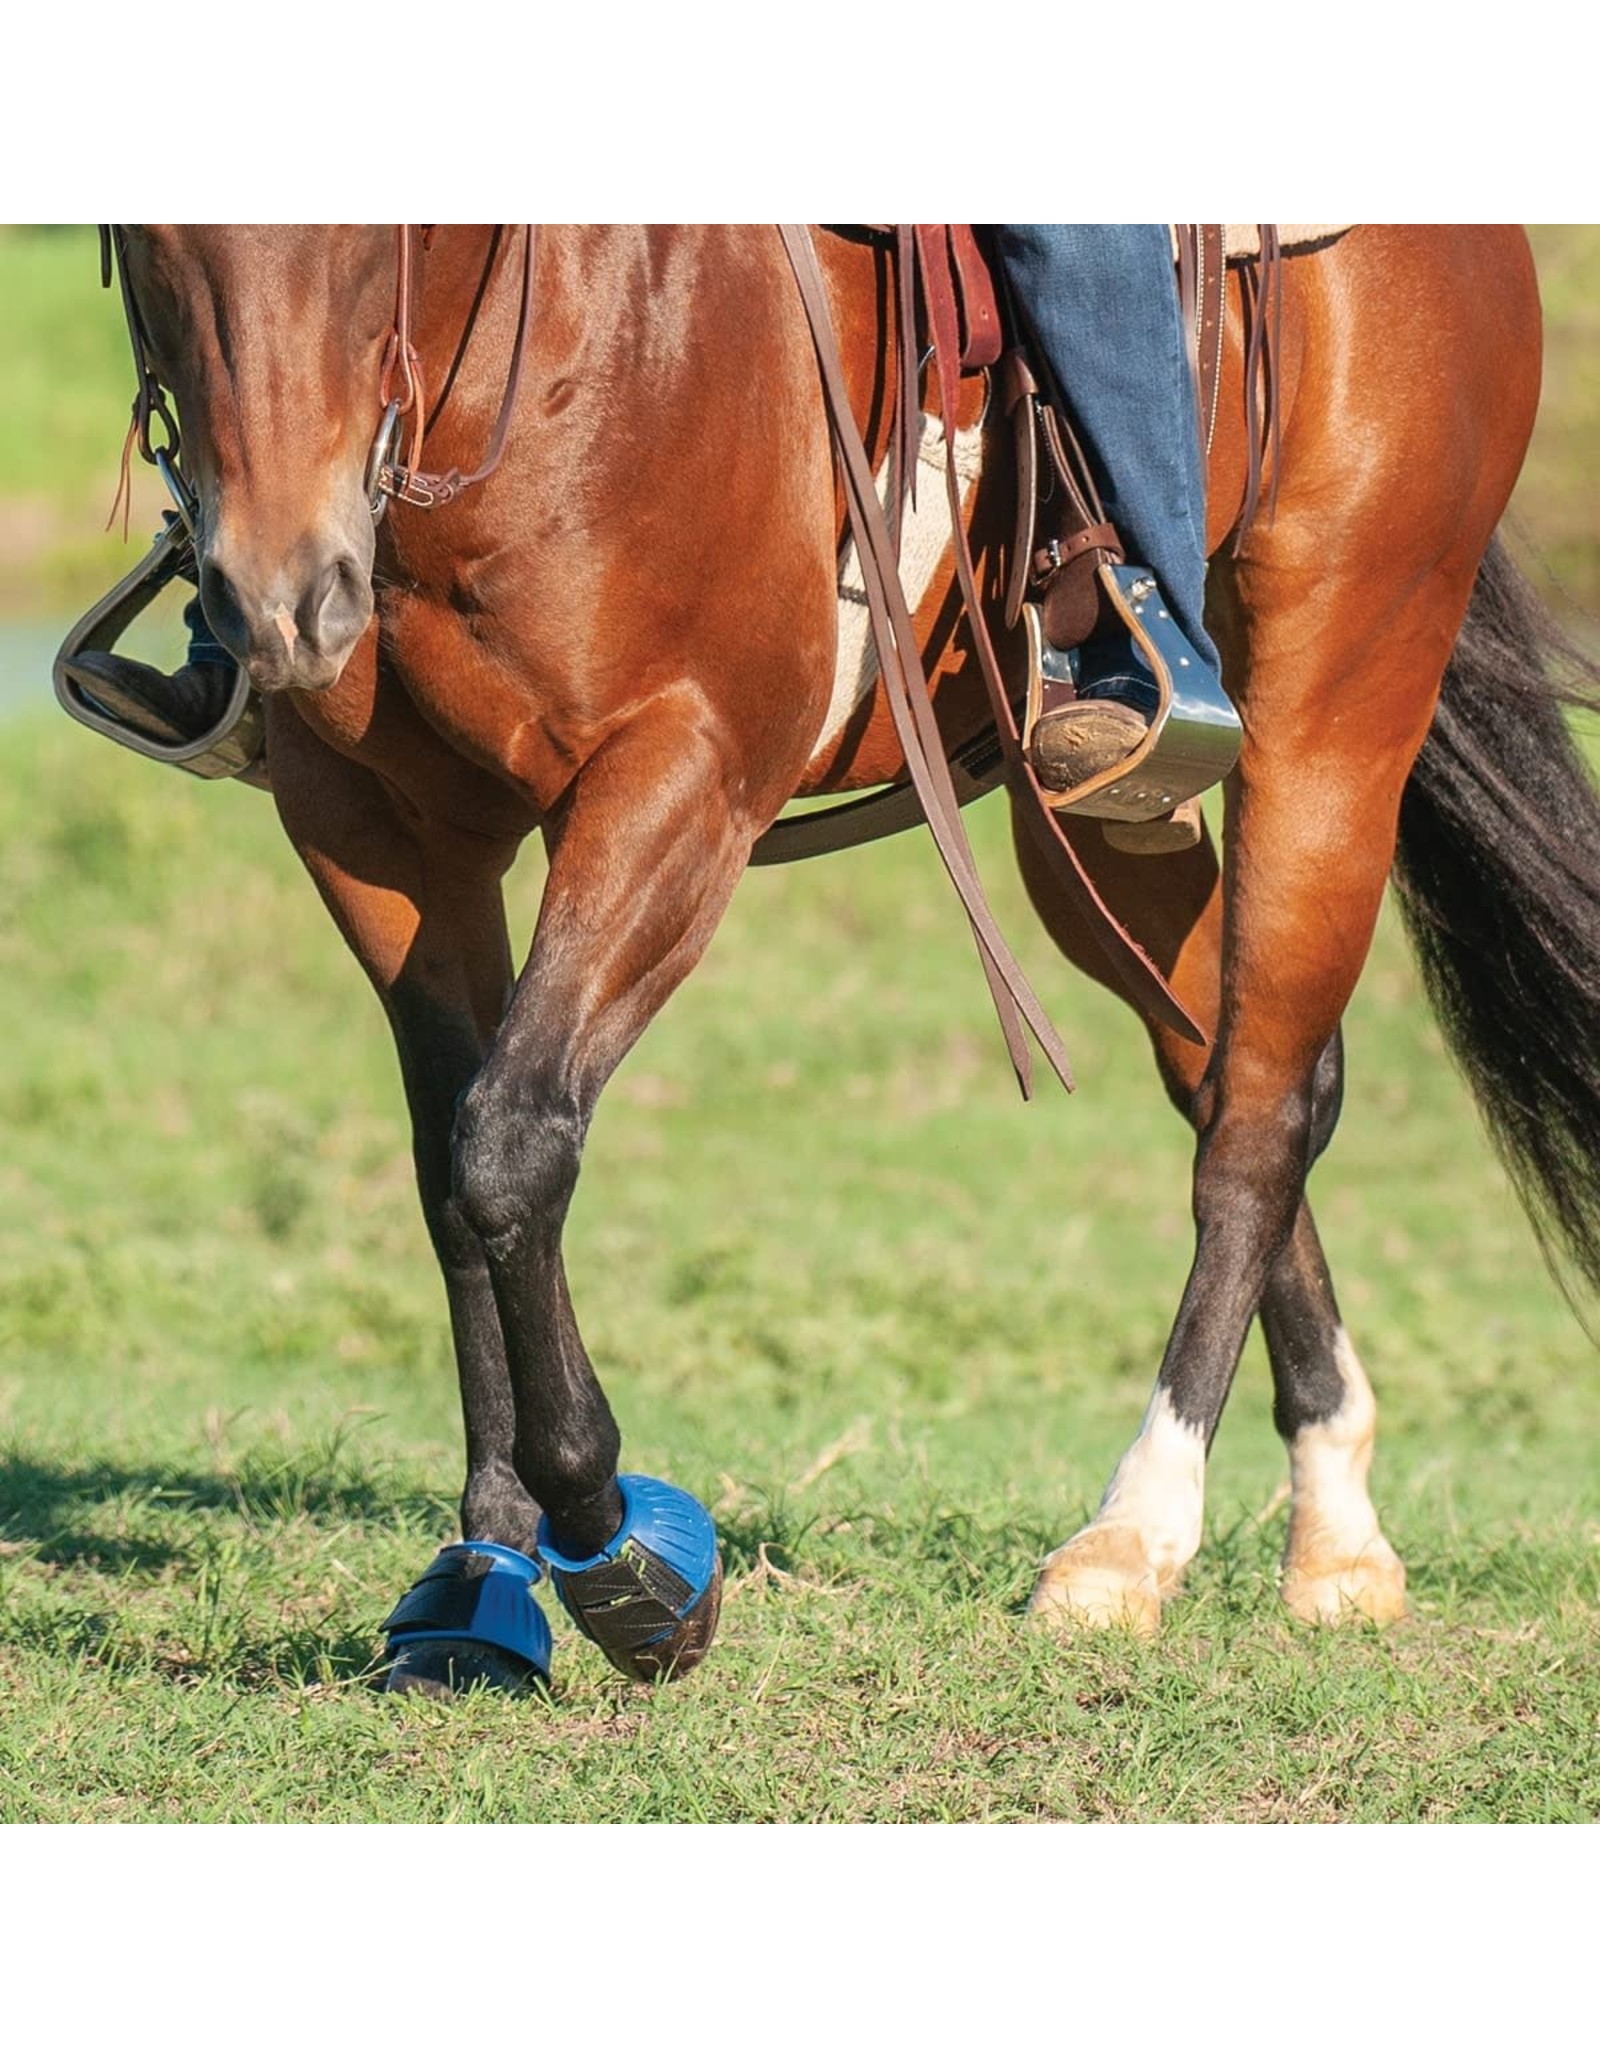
column 1159, row 1488
column 1332, row 1515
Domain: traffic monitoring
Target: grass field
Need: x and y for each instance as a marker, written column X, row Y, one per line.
column 893, row 1325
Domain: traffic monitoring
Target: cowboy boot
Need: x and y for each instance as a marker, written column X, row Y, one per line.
column 1097, row 691
column 1087, row 652
column 172, row 709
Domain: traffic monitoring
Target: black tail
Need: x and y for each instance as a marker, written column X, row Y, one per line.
column 1498, row 870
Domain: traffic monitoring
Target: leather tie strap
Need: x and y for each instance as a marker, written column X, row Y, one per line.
column 906, row 685
column 1264, row 317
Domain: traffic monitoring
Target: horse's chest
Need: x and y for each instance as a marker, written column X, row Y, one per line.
column 478, row 691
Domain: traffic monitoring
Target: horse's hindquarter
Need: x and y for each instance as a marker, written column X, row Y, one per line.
column 1410, row 375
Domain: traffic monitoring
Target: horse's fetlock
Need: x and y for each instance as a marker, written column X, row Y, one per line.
column 497, row 1508
column 582, row 1498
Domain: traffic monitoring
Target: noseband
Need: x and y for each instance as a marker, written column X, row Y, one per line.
column 223, row 750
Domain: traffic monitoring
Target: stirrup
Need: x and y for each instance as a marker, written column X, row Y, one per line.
column 238, row 738
column 1194, row 734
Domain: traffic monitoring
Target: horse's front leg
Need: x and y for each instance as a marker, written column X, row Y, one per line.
column 419, row 904
column 645, row 852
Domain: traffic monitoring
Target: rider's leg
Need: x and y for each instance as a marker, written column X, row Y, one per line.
column 1103, row 305
column 205, row 649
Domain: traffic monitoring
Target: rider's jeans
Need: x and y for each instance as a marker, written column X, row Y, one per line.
column 1103, row 303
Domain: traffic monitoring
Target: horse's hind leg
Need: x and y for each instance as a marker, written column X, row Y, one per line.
column 1336, row 1560
column 1418, row 377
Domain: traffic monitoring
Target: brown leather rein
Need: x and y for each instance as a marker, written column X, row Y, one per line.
column 906, row 684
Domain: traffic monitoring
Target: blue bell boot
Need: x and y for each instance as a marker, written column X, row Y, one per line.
column 471, row 1619
column 651, row 1597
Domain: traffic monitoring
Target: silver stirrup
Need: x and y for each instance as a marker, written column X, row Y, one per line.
column 238, row 738
column 1194, row 737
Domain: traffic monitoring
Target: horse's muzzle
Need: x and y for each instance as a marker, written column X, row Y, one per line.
column 291, row 628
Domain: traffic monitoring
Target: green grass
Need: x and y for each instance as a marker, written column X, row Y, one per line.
column 64, row 397
column 893, row 1325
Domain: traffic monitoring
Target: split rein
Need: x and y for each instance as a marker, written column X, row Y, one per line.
column 401, row 394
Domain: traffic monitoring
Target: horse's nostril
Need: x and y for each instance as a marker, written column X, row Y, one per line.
column 224, row 612
column 341, row 601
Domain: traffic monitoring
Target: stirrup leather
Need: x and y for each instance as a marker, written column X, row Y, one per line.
column 1194, row 737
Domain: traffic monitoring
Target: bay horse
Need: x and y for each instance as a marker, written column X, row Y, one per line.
column 625, row 639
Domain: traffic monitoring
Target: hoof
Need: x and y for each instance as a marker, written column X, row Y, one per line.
column 650, row 1599
column 1079, row 741
column 1103, row 1578
column 442, row 1667
column 471, row 1619
column 1325, row 1591
column 675, row 1656
column 1175, row 831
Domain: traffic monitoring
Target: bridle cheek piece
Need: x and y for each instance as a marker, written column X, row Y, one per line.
column 387, row 476
column 237, row 740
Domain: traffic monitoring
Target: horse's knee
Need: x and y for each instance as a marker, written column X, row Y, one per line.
column 514, row 1160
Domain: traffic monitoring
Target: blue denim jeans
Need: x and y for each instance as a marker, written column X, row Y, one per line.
column 1103, row 306
column 205, row 649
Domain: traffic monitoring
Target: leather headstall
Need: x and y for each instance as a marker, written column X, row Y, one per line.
column 235, row 743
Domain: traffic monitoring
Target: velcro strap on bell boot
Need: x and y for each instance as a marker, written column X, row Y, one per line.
column 648, row 1578
column 476, row 1593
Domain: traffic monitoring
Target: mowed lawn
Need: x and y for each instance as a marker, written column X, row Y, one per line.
column 893, row 1325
